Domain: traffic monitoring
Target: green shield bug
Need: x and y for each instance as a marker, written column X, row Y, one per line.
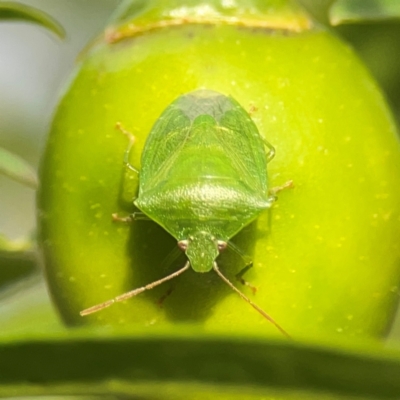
column 203, row 178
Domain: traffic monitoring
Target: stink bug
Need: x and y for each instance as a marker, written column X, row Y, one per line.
column 203, row 179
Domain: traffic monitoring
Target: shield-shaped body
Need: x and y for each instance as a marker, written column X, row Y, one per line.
column 203, row 178
column 204, row 168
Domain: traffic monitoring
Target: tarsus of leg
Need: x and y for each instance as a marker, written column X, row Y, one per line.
column 287, row 185
column 134, row 292
column 135, row 216
column 245, row 298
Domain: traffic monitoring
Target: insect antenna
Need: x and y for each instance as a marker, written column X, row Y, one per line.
column 255, row 306
column 134, row 292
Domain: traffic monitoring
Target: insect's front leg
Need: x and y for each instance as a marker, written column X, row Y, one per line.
column 248, row 264
column 167, row 262
column 239, row 277
column 160, row 301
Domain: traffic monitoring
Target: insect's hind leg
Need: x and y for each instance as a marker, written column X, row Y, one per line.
column 131, row 138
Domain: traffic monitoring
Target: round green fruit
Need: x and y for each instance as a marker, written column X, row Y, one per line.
column 326, row 257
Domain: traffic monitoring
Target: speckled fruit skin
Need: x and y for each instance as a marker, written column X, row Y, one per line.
column 326, row 258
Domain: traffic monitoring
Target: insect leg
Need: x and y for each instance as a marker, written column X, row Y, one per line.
column 136, row 216
column 168, row 260
column 161, row 300
column 131, row 138
column 248, row 264
column 239, row 277
column 271, row 150
column 275, row 190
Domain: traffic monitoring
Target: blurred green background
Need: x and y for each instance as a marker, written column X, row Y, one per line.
column 34, row 66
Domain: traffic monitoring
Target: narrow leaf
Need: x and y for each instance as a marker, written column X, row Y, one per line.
column 21, row 12
column 354, row 11
column 8, row 246
column 18, row 259
column 17, row 169
column 149, row 365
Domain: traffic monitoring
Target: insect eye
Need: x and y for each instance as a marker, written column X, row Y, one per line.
column 222, row 245
column 183, row 244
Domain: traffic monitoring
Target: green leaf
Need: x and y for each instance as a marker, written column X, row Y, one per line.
column 18, row 259
column 353, row 11
column 21, row 12
column 189, row 365
column 15, row 246
column 17, row 169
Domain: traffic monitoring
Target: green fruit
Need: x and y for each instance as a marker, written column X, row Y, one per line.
column 326, row 258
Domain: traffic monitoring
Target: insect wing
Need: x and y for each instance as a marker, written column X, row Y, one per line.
column 245, row 146
column 162, row 146
column 177, row 130
column 236, row 133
